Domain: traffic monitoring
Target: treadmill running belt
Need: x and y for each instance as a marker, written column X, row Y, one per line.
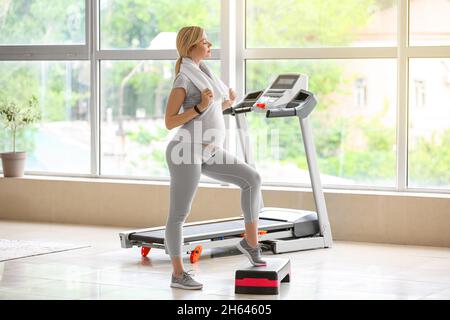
column 209, row 230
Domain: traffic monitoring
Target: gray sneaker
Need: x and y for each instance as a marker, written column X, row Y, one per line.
column 253, row 254
column 185, row 282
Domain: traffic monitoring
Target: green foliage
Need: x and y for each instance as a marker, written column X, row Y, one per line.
column 24, row 140
column 42, row 22
column 15, row 116
column 334, row 133
column 144, row 137
column 135, row 23
column 309, row 23
column 429, row 161
column 150, row 141
column 323, row 23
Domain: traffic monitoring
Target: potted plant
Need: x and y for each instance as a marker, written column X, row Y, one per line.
column 15, row 116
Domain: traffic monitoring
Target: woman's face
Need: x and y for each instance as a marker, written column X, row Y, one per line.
column 202, row 49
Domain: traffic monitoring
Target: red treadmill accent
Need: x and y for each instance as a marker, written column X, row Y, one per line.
column 256, row 282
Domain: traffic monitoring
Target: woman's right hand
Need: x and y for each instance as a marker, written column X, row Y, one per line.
column 207, row 97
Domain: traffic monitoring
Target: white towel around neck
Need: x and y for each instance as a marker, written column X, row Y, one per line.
column 203, row 78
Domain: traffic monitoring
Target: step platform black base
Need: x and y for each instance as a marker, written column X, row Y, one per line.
column 263, row 280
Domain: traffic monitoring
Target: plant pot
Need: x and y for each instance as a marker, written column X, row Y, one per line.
column 13, row 164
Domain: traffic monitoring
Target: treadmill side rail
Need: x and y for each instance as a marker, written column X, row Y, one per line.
column 305, row 222
column 233, row 241
column 126, row 243
column 280, row 246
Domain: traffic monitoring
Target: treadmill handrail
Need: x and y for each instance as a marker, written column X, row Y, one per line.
column 245, row 105
column 302, row 108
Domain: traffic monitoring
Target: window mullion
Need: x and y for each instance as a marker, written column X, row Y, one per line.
column 402, row 87
column 43, row 52
column 227, row 59
column 95, row 88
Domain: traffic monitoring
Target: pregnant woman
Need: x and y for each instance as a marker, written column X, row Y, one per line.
column 197, row 148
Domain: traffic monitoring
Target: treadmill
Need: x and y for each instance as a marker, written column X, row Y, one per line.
column 281, row 229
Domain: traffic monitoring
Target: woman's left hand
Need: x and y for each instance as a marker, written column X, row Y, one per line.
column 232, row 95
column 229, row 103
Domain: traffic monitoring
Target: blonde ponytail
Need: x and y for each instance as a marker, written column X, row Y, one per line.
column 177, row 66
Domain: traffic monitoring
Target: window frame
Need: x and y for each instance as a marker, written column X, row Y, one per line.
column 98, row 55
column 402, row 53
column 233, row 56
column 51, row 52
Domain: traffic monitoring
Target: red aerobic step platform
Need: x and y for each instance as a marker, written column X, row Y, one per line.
column 263, row 280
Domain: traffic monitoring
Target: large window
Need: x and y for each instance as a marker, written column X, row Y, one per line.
column 354, row 145
column 134, row 92
column 61, row 141
column 325, row 23
column 429, row 123
column 363, row 104
column 152, row 24
column 133, row 133
column 42, row 22
column 103, row 69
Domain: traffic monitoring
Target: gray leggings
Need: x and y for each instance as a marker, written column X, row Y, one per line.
column 186, row 162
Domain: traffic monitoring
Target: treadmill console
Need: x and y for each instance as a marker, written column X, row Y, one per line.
column 280, row 92
column 286, row 96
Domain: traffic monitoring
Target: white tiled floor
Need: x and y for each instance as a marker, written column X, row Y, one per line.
column 349, row 270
